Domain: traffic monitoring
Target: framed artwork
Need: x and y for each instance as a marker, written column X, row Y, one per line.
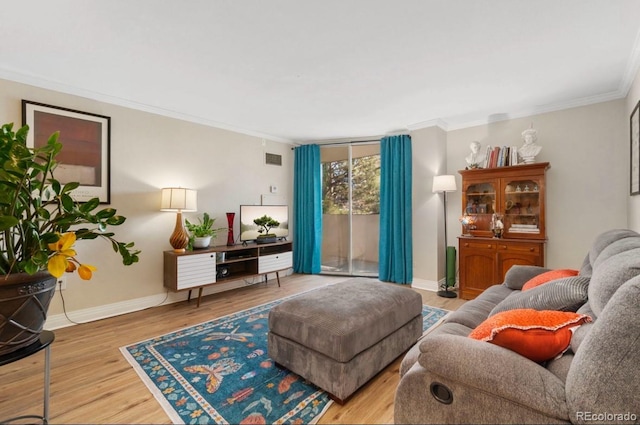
column 85, row 139
column 634, row 126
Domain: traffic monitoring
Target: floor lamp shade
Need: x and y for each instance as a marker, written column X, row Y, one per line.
column 446, row 183
column 179, row 199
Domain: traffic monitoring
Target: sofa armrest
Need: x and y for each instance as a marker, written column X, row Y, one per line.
column 488, row 384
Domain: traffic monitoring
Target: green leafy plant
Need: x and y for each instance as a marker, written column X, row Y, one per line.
column 39, row 220
column 204, row 227
column 266, row 223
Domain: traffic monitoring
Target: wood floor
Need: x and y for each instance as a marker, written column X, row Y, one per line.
column 92, row 383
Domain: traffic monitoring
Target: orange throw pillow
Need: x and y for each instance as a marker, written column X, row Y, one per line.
column 548, row 277
column 536, row 335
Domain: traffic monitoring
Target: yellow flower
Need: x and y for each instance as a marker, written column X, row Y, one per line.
column 64, row 243
column 85, row 271
column 63, row 258
column 62, row 248
column 57, row 265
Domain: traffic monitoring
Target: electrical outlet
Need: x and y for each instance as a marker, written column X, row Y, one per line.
column 62, row 283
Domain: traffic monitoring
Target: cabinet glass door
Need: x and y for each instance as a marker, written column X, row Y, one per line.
column 479, row 208
column 522, row 208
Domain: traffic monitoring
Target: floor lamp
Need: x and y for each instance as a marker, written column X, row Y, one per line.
column 178, row 199
column 444, row 184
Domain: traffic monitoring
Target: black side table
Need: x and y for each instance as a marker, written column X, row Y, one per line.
column 43, row 343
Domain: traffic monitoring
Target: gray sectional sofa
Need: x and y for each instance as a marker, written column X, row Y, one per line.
column 447, row 377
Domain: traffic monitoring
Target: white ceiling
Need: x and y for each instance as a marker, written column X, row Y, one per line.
column 296, row 70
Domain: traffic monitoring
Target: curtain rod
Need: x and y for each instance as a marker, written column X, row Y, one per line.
column 355, row 142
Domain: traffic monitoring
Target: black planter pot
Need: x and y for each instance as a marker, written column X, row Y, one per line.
column 24, row 301
column 266, row 239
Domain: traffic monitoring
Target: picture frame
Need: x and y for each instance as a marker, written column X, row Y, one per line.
column 85, row 155
column 634, row 169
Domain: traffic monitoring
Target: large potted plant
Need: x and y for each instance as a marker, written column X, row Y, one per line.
column 39, row 225
column 202, row 232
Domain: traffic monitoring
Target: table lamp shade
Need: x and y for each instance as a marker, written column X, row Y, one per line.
column 179, row 199
column 444, row 183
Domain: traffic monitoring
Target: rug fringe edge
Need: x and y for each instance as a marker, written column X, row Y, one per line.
column 157, row 394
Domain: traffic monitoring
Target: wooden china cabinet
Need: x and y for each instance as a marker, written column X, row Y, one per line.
column 510, row 202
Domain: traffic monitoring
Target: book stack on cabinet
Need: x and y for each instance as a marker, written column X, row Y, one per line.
column 504, row 156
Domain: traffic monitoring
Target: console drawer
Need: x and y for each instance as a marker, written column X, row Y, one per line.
column 275, row 262
column 195, row 270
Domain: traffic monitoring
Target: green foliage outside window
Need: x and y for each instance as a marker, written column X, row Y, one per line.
column 365, row 183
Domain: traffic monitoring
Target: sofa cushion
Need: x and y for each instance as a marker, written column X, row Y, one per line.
column 616, row 248
column 604, row 372
column 566, row 294
column 536, row 335
column 472, row 313
column 444, row 328
column 560, row 366
column 546, row 277
column 607, row 238
column 518, row 275
column 586, row 269
column 610, row 275
column 579, row 335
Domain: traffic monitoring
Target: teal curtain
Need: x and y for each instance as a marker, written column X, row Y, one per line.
column 307, row 209
column 396, row 244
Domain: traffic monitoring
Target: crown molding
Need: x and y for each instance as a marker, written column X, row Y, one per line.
column 452, row 124
column 632, row 68
column 445, row 124
column 101, row 97
column 437, row 122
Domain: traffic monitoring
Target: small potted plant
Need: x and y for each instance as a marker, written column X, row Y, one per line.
column 265, row 224
column 39, row 225
column 202, row 232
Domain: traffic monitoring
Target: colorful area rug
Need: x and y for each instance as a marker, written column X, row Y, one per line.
column 219, row 372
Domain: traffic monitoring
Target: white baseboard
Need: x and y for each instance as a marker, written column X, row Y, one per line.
column 427, row 285
column 58, row 321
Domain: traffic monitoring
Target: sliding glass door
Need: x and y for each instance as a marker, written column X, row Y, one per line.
column 350, row 208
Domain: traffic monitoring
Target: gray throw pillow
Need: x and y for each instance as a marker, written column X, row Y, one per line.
column 565, row 294
column 519, row 274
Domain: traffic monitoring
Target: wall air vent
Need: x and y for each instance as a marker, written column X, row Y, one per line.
column 273, row 159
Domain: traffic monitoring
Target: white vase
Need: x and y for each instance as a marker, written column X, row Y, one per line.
column 202, row 242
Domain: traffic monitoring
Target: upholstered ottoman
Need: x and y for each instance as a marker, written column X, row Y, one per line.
column 340, row 336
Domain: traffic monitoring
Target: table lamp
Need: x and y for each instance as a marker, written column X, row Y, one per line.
column 179, row 199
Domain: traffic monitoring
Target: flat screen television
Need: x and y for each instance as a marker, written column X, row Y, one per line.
column 248, row 213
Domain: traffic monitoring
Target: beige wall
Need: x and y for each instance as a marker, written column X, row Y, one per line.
column 149, row 152
column 429, row 149
column 633, row 204
column 587, row 184
column 588, row 148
